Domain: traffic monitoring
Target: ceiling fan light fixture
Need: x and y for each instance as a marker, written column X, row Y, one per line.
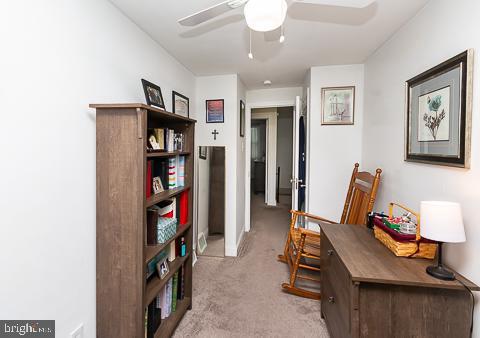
column 265, row 15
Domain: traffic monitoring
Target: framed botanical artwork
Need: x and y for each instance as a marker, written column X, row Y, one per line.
column 202, row 152
column 242, row 118
column 180, row 104
column 438, row 113
column 215, row 111
column 338, row 105
column 153, row 94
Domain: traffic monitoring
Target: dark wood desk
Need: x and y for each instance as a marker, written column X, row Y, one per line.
column 369, row 292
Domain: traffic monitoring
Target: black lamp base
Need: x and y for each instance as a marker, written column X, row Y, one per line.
column 440, row 272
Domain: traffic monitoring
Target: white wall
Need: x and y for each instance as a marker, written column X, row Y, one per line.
column 262, row 98
column 222, row 87
column 59, row 56
column 284, row 147
column 241, row 162
column 333, row 149
column 418, row 46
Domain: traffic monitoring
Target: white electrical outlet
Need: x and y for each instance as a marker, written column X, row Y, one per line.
column 78, row 332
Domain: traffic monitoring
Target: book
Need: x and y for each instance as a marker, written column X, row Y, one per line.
column 153, row 319
column 179, row 282
column 182, row 283
column 168, row 296
column 172, row 173
column 152, row 222
column 180, row 171
column 160, row 136
column 148, row 190
column 160, row 169
column 171, row 252
column 174, row 291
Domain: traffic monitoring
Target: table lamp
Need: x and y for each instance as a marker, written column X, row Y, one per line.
column 442, row 222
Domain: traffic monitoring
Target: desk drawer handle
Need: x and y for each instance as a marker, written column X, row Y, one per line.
column 331, row 300
column 330, row 252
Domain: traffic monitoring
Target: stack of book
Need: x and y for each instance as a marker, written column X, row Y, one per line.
column 170, row 172
column 165, row 139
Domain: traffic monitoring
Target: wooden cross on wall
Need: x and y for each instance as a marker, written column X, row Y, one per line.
column 215, row 133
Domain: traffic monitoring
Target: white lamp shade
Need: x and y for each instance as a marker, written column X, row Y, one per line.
column 442, row 221
column 265, row 15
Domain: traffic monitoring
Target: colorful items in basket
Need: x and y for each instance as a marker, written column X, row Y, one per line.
column 401, row 224
column 166, row 228
column 387, row 231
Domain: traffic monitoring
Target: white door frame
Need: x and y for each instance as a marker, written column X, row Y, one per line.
column 248, row 143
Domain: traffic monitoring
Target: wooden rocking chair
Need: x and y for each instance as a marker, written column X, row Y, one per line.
column 303, row 245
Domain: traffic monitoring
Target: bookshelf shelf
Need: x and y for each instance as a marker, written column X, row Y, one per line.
column 167, row 154
column 152, row 250
column 168, row 325
column 155, row 285
column 165, row 195
column 123, row 293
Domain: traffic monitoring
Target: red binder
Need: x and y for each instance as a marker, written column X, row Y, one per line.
column 184, row 208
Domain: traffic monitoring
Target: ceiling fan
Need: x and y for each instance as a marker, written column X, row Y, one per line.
column 263, row 15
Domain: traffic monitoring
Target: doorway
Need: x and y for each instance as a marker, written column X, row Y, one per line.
column 211, row 202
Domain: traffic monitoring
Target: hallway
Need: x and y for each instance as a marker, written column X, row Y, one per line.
column 242, row 296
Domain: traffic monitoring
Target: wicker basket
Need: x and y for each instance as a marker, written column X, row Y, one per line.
column 415, row 247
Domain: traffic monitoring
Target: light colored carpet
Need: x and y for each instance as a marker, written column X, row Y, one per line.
column 242, row 297
column 215, row 246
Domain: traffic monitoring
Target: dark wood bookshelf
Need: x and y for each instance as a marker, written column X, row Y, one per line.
column 155, row 285
column 165, row 195
column 123, row 293
column 169, row 324
column 152, row 250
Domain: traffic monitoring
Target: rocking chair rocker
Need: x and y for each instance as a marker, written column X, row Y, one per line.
column 303, row 246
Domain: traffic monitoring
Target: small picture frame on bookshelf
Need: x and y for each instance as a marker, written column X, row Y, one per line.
column 157, row 185
column 180, row 104
column 153, row 94
column 162, row 268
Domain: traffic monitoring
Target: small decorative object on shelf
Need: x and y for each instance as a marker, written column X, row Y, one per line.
column 157, row 185
column 442, row 222
column 153, row 94
column 162, row 268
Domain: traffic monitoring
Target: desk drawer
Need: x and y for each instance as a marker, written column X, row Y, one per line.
column 336, row 292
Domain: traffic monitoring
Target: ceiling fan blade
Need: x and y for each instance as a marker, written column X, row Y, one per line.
column 210, row 13
column 339, row 3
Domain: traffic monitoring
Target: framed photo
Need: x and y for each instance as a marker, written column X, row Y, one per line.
column 438, row 113
column 180, row 104
column 157, row 185
column 338, row 105
column 162, row 268
column 242, row 118
column 215, row 111
column 203, row 152
column 202, row 242
column 153, row 94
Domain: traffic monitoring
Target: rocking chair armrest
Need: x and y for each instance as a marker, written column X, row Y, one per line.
column 309, row 232
column 315, row 217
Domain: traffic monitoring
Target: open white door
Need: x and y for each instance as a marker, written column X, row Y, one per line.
column 295, row 158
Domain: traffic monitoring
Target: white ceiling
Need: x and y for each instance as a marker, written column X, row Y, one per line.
column 316, row 35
